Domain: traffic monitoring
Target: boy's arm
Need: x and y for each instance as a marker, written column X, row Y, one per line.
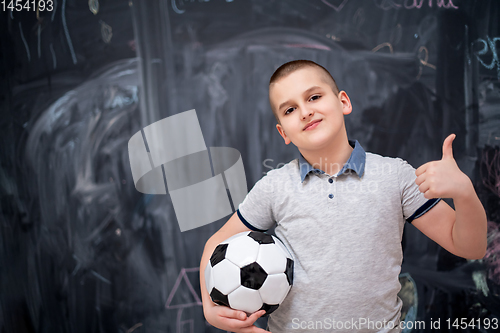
column 219, row 316
column 461, row 231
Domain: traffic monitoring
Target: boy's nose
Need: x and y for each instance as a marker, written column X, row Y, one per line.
column 306, row 112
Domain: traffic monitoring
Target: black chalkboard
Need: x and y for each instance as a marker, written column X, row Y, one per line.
column 81, row 250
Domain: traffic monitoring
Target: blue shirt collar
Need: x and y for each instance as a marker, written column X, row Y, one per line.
column 356, row 162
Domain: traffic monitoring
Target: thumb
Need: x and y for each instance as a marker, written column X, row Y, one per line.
column 447, row 148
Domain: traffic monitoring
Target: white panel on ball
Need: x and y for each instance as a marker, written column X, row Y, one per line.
column 209, row 279
column 271, row 258
column 274, row 289
column 245, row 299
column 226, row 276
column 243, row 251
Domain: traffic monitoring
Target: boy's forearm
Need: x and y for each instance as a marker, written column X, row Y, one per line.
column 469, row 231
column 207, row 252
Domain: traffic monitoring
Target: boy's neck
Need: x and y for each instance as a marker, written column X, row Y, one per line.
column 330, row 159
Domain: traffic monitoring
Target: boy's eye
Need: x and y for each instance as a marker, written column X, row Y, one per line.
column 314, row 97
column 289, row 110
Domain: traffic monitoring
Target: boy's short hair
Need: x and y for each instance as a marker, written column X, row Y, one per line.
column 292, row 66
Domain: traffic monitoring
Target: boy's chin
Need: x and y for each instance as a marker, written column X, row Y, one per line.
column 316, row 145
column 319, row 140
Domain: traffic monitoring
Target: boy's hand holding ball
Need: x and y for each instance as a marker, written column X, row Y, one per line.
column 233, row 320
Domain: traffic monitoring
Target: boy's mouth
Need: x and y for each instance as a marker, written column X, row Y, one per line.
column 312, row 124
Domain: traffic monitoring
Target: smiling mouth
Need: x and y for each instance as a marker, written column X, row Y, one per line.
column 312, row 125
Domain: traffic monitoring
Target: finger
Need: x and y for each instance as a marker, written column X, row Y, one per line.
column 256, row 315
column 447, row 146
column 424, row 187
column 232, row 314
column 421, row 169
column 235, row 325
column 253, row 317
column 420, row 179
column 242, row 326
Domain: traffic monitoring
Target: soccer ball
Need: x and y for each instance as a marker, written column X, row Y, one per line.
column 250, row 271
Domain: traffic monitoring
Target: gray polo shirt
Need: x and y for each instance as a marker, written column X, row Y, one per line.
column 344, row 232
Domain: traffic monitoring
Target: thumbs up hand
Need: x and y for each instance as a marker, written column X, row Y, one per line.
column 443, row 178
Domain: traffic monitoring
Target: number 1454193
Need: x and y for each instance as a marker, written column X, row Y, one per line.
column 464, row 323
column 27, row 5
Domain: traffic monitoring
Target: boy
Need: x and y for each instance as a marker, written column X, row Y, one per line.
column 340, row 212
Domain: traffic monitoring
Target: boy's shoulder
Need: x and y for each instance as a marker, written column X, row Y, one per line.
column 376, row 158
column 385, row 165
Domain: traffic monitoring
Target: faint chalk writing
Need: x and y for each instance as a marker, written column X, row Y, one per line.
column 106, row 32
column 77, row 266
column 359, row 18
column 378, row 47
column 24, row 42
column 492, row 256
column 66, row 32
column 54, row 60
column 39, row 36
column 182, row 277
column 131, row 44
column 39, row 22
column 130, row 330
column 387, row 4
column 100, row 277
column 423, row 56
column 333, row 37
column 94, row 6
column 176, row 9
column 410, row 4
column 54, row 12
column 310, row 46
column 178, row 4
column 396, row 34
column 489, row 44
column 440, row 3
column 490, row 176
column 181, row 324
column 338, row 7
column 479, row 278
column 490, row 170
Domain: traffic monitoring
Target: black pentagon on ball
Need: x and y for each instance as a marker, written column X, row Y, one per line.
column 219, row 254
column 261, row 237
column 289, row 271
column 269, row 308
column 219, row 297
column 253, row 276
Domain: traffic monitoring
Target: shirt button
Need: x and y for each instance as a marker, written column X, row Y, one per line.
column 330, row 180
column 330, row 196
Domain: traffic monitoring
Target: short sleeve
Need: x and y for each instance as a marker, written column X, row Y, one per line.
column 256, row 210
column 413, row 202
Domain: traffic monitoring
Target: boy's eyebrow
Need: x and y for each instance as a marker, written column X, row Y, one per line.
column 307, row 92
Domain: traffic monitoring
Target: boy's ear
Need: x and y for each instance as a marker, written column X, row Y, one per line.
column 346, row 102
column 283, row 134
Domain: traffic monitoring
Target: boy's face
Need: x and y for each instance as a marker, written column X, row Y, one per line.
column 311, row 115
